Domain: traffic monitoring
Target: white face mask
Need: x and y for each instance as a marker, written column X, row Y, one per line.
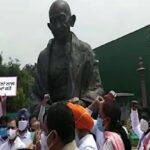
column 11, row 134
column 22, row 125
column 143, row 125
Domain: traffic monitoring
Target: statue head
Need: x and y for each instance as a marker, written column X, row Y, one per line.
column 60, row 19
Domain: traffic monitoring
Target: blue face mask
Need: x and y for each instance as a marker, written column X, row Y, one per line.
column 100, row 124
column 3, row 132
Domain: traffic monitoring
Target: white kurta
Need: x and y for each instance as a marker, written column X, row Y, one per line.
column 136, row 127
column 99, row 135
column 2, row 141
column 16, row 145
column 108, row 145
column 87, row 143
column 27, row 138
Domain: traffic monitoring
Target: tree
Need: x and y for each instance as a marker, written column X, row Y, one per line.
column 25, row 82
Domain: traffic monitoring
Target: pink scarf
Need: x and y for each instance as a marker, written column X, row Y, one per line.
column 147, row 142
column 116, row 140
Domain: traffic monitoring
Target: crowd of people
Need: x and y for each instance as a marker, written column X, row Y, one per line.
column 70, row 125
column 67, row 68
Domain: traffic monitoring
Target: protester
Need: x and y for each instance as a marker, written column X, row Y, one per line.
column 141, row 128
column 36, row 129
column 3, row 105
column 83, row 123
column 43, row 107
column 114, row 134
column 14, row 141
column 60, row 128
column 3, row 129
column 108, row 124
column 42, row 144
column 4, row 121
column 23, row 119
column 32, row 119
column 93, row 108
column 35, row 126
column 3, row 135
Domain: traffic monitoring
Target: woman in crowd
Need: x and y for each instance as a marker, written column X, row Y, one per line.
column 110, row 135
column 109, row 123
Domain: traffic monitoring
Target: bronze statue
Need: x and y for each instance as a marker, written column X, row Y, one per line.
column 66, row 68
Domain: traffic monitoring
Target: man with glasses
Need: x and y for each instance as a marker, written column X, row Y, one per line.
column 13, row 142
column 23, row 132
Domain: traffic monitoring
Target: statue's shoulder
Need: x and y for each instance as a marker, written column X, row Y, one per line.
column 80, row 44
column 83, row 47
column 44, row 53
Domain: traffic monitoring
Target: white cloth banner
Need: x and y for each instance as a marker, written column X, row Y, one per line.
column 8, row 86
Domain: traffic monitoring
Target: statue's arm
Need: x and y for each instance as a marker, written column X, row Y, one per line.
column 41, row 74
column 92, row 77
column 38, row 89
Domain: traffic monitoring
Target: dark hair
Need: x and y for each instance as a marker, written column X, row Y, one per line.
column 4, row 119
column 12, row 119
column 23, row 112
column 60, row 118
column 31, row 117
column 114, row 113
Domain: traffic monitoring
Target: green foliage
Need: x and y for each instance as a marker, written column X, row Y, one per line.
column 24, row 82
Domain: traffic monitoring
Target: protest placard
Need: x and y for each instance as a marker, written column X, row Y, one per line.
column 8, row 86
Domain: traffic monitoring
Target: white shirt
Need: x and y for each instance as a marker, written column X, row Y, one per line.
column 99, row 135
column 16, row 145
column 27, row 138
column 136, row 123
column 2, row 141
column 136, row 127
column 108, row 145
column 87, row 143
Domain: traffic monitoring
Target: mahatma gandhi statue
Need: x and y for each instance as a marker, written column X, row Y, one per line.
column 66, row 68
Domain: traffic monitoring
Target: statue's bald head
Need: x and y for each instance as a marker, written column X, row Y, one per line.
column 58, row 7
column 60, row 19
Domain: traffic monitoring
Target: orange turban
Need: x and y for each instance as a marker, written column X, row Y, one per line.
column 82, row 118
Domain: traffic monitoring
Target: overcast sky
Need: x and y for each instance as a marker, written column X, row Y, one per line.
column 24, row 32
